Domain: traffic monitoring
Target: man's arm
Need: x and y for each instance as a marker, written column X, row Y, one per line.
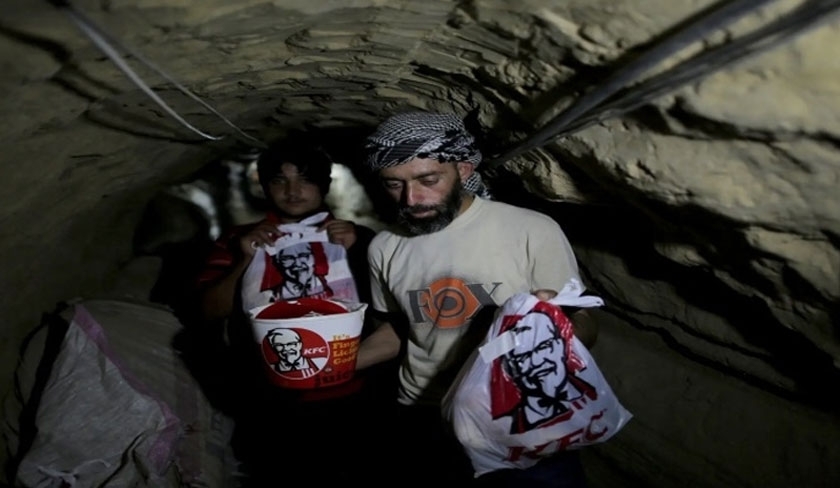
column 553, row 256
column 381, row 345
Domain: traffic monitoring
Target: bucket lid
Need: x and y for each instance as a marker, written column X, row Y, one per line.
column 299, row 308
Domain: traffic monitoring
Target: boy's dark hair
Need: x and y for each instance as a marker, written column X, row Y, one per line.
column 307, row 155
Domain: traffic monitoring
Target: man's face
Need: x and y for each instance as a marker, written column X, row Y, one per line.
column 537, row 360
column 293, row 195
column 287, row 346
column 428, row 192
column 297, row 263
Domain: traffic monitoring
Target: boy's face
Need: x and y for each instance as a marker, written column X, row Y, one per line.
column 293, row 195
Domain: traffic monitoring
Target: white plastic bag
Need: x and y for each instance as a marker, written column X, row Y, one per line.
column 532, row 389
column 301, row 263
column 116, row 405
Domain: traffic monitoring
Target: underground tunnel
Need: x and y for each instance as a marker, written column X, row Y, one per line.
column 699, row 194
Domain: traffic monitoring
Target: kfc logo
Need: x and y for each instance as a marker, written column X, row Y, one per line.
column 536, row 383
column 295, row 354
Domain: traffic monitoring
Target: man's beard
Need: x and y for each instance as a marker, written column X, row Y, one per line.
column 445, row 213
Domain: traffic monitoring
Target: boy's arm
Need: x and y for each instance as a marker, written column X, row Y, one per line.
column 216, row 300
column 227, row 263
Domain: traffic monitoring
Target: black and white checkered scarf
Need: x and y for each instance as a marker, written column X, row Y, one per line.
column 439, row 136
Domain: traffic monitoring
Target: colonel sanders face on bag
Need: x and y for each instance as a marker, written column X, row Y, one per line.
column 536, row 383
column 302, row 272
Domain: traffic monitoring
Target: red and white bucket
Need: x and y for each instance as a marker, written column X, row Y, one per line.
column 308, row 343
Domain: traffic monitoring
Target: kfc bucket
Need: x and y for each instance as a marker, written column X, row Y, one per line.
column 308, row 343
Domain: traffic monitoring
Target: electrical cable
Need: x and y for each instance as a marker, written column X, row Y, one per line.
column 802, row 19
column 590, row 109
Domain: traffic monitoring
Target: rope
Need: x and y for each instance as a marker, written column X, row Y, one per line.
column 105, row 41
column 588, row 109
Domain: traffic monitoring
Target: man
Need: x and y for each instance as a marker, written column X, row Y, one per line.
column 451, row 259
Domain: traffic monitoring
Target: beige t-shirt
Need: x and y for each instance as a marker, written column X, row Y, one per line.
column 443, row 281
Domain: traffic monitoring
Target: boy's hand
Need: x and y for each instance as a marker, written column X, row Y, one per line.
column 264, row 234
column 341, row 232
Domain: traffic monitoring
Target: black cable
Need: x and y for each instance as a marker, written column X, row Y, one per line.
column 803, row 18
column 681, row 38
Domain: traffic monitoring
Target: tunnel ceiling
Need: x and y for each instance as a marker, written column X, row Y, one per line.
column 725, row 190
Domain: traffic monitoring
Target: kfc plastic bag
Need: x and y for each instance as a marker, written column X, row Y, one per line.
column 532, row 388
column 301, row 263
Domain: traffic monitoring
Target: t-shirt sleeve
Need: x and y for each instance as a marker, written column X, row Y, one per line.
column 551, row 259
column 382, row 301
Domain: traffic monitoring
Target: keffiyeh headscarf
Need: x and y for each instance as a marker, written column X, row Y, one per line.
column 438, row 136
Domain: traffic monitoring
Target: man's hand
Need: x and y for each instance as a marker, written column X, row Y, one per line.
column 264, row 234
column 545, row 295
column 342, row 232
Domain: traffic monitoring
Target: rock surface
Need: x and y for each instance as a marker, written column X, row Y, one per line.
column 708, row 219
